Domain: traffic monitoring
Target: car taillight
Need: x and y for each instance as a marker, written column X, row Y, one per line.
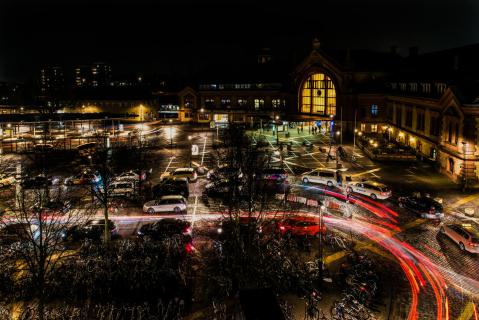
column 281, row 228
column 384, row 193
column 188, row 247
column 187, row 230
column 432, row 210
column 474, row 244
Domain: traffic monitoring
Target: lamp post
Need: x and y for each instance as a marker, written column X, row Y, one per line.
column 189, row 154
column 171, row 134
column 464, row 166
column 320, row 207
column 277, row 132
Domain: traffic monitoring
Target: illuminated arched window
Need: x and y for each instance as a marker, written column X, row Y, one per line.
column 318, row 95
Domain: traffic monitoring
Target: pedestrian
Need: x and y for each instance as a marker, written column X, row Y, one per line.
column 301, row 128
column 298, row 130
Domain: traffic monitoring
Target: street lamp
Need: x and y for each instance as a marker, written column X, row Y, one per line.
column 189, row 154
column 321, row 208
column 171, row 134
column 277, row 133
column 464, row 167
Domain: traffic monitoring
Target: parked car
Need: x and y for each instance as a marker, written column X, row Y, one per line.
column 424, row 207
column 372, row 189
column 188, row 173
column 87, row 149
column 82, row 178
column 465, row 235
column 300, row 226
column 273, row 174
column 223, row 172
column 6, row 180
column 171, row 203
column 218, row 188
column 92, row 230
column 16, row 232
column 329, row 177
column 55, row 207
column 123, row 188
column 43, row 148
column 36, row 182
column 130, row 175
column 171, row 187
column 165, row 228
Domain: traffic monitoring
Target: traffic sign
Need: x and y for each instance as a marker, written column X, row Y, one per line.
column 212, row 124
column 194, row 150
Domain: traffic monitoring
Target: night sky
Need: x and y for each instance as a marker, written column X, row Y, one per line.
column 172, row 36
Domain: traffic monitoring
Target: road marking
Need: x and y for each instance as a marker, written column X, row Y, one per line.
column 365, row 172
column 193, row 216
column 468, row 312
column 203, row 153
column 169, row 163
column 463, row 201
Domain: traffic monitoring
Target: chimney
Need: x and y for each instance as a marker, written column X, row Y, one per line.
column 393, row 50
column 413, row 51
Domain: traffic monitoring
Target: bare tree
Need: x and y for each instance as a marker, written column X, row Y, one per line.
column 33, row 236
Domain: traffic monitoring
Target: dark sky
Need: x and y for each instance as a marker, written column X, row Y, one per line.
column 171, row 36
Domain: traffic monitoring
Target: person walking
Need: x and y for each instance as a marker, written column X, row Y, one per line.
column 298, row 130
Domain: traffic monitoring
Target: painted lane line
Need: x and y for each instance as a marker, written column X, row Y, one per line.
column 169, row 163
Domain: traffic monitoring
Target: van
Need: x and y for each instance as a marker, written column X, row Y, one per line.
column 87, row 149
column 329, row 177
column 42, row 147
column 122, row 188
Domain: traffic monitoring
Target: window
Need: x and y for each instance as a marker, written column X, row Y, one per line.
column 242, row 102
column 203, row 116
column 440, row 88
column 258, row 103
column 394, row 85
column 187, row 114
column 409, row 118
column 413, row 87
column 402, row 86
column 225, row 102
column 420, row 121
column 318, row 95
column 398, row 116
column 374, row 128
column 434, row 126
column 456, row 133
column 276, row 103
column 449, row 133
column 374, row 110
column 189, row 101
column 426, row 87
column 363, row 127
column 210, row 102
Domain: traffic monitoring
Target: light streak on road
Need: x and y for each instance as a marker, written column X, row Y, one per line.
column 203, row 153
column 169, row 163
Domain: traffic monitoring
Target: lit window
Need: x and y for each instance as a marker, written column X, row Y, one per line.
column 402, row 86
column 209, row 102
column 276, row 103
column 258, row 103
column 363, row 127
column 374, row 128
column 413, row 87
column 318, row 95
column 374, row 110
column 242, row 102
column 440, row 87
column 225, row 102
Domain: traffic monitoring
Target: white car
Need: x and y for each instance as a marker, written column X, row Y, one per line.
column 6, row 180
column 174, row 204
column 188, row 173
column 122, row 188
column 325, row 176
column 372, row 189
column 130, row 175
